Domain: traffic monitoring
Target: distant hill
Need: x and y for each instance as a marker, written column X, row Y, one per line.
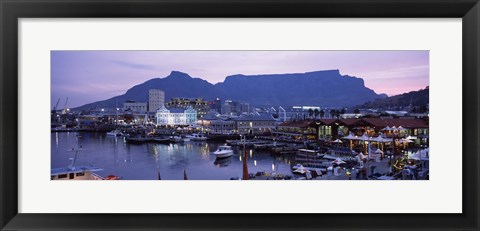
column 324, row 88
column 414, row 98
column 177, row 84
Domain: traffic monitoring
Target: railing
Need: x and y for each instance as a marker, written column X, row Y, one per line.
column 97, row 177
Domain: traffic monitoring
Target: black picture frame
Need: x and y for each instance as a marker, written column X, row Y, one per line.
column 12, row 10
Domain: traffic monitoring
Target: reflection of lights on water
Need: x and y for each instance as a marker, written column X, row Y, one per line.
column 56, row 138
column 240, row 158
column 155, row 152
column 273, row 167
column 251, row 153
column 255, row 162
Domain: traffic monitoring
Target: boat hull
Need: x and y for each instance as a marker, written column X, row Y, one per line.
column 223, row 154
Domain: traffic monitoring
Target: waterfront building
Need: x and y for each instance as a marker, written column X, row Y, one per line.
column 259, row 123
column 332, row 129
column 231, row 107
column 301, row 113
column 300, row 130
column 156, row 99
column 201, row 106
column 176, row 116
column 135, row 106
column 215, row 124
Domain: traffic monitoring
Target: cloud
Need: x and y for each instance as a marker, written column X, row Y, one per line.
column 411, row 72
column 135, row 65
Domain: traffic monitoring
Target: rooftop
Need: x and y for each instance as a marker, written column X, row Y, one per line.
column 260, row 117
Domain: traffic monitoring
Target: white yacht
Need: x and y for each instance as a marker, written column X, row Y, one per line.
column 178, row 139
column 115, row 133
column 72, row 172
column 196, row 137
column 223, row 151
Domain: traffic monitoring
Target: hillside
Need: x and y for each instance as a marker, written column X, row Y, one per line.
column 323, row 88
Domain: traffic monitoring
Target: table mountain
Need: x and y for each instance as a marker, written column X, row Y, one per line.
column 324, row 88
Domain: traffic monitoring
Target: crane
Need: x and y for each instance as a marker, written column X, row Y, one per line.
column 56, row 106
column 65, row 107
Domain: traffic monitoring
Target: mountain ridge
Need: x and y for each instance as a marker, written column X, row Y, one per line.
column 327, row 88
column 413, row 98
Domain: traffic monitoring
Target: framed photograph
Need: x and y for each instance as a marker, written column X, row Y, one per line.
column 262, row 115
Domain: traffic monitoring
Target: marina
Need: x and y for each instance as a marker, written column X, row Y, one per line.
column 171, row 158
column 143, row 161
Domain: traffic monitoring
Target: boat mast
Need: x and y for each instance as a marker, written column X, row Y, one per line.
column 245, row 156
column 74, row 159
column 116, row 114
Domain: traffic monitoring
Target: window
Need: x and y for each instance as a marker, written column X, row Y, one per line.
column 62, row 176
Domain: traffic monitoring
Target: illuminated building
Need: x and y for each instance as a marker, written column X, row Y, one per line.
column 176, row 116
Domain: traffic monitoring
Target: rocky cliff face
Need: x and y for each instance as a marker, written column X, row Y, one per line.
column 324, row 88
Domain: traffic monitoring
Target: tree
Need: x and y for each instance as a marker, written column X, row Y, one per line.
column 316, row 112
column 356, row 111
column 333, row 112
column 310, row 112
column 342, row 111
column 322, row 113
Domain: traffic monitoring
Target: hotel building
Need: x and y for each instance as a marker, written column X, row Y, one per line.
column 176, row 116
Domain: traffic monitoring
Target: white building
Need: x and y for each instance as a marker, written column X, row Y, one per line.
column 156, row 99
column 176, row 116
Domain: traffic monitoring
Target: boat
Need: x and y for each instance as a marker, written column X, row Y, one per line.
column 260, row 146
column 112, row 177
column 136, row 140
column 161, row 140
column 223, row 151
column 196, row 137
column 178, row 139
column 74, row 172
column 115, row 133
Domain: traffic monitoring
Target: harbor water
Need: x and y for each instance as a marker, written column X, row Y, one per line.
column 144, row 161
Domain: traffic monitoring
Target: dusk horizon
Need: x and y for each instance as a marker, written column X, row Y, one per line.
column 73, row 72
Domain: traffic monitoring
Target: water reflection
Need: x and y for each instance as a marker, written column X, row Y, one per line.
column 223, row 162
column 145, row 161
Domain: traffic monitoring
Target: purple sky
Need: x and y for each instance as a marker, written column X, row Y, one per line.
column 88, row 76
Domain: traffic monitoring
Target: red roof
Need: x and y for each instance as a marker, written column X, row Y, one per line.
column 406, row 123
column 374, row 122
column 327, row 121
column 348, row 122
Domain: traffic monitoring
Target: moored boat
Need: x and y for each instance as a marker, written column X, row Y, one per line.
column 160, row 140
column 178, row 139
column 196, row 137
column 223, row 151
column 115, row 133
column 136, row 140
column 74, row 172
